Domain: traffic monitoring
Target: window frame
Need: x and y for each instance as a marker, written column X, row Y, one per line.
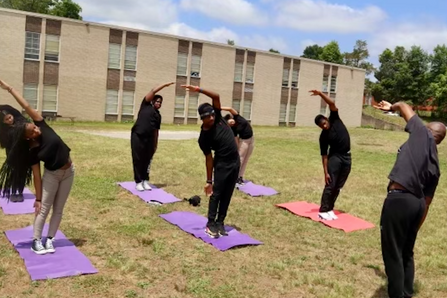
column 39, row 46
column 117, row 101
column 119, row 56
column 30, row 100
column 133, row 103
column 126, row 57
column 57, row 99
column 290, row 113
column 246, row 73
column 186, row 64
column 175, row 106
column 199, row 72
column 236, row 69
column 58, row 50
column 244, row 113
column 297, row 79
column 287, row 78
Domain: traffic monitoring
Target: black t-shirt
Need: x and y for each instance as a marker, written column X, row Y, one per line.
column 219, row 138
column 242, row 128
column 51, row 150
column 336, row 137
column 417, row 165
column 149, row 120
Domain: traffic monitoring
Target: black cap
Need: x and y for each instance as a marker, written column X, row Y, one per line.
column 205, row 110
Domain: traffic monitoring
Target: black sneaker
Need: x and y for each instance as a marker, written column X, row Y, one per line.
column 212, row 230
column 38, row 247
column 16, row 198
column 221, row 229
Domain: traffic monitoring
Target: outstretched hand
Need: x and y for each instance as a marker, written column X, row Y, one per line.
column 315, row 92
column 169, row 84
column 383, row 106
column 3, row 85
column 190, row 87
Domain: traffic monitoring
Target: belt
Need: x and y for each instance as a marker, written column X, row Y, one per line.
column 398, row 191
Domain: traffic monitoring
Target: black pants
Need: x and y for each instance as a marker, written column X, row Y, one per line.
column 339, row 167
column 399, row 224
column 225, row 177
column 143, row 149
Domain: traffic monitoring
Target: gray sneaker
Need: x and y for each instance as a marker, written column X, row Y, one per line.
column 49, row 245
column 37, row 247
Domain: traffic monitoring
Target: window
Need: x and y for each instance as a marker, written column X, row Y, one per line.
column 192, row 106
column 179, row 110
column 182, row 61
column 52, row 48
column 325, row 83
column 247, row 109
column 112, row 102
column 282, row 112
column 238, row 70
column 30, row 92
column 285, row 78
column 237, row 105
column 295, row 76
column 49, row 98
column 114, row 56
column 250, row 75
column 323, row 107
column 333, row 83
column 130, row 60
column 128, row 102
column 32, row 46
column 292, row 113
column 195, row 66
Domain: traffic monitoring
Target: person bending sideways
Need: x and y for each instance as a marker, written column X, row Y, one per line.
column 336, row 164
column 244, row 137
column 412, row 185
column 217, row 135
column 144, row 137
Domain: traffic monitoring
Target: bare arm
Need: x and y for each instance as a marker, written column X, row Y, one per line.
column 37, row 180
column 22, row 102
column 156, row 139
column 330, row 102
column 209, row 167
column 324, row 161
column 214, row 96
column 231, row 110
column 427, row 205
column 151, row 94
column 405, row 110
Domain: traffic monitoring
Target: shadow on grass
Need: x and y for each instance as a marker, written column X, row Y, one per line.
column 78, row 242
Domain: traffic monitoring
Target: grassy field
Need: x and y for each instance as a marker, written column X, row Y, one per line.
column 138, row 254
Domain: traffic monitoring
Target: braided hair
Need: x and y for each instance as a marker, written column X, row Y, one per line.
column 6, row 110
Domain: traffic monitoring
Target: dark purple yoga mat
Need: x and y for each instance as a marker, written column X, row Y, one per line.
column 156, row 195
column 255, row 190
column 25, row 207
column 66, row 261
column 195, row 224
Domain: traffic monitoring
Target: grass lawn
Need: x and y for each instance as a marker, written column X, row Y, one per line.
column 139, row 254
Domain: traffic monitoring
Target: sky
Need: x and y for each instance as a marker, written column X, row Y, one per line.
column 285, row 25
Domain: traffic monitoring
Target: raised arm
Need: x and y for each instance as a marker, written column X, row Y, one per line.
column 231, row 110
column 21, row 101
column 405, row 110
column 214, row 96
column 151, row 94
column 327, row 99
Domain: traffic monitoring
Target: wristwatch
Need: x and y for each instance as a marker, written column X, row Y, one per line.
column 209, row 181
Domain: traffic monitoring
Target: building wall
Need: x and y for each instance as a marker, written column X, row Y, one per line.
column 350, row 87
column 12, row 51
column 267, row 89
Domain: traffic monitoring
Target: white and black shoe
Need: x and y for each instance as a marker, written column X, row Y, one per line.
column 49, row 247
column 325, row 216
column 37, row 247
column 139, row 186
column 146, row 185
column 332, row 215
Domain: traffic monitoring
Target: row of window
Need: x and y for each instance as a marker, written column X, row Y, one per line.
column 182, row 65
column 285, row 78
column 32, row 47
column 249, row 72
column 246, row 112
column 50, row 95
column 130, row 57
column 283, row 113
column 127, row 104
column 333, row 87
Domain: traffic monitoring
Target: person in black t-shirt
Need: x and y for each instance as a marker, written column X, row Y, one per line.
column 144, row 137
column 217, row 135
column 412, row 185
column 336, row 165
column 244, row 137
column 52, row 191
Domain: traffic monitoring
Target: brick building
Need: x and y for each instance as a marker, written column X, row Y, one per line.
column 98, row 72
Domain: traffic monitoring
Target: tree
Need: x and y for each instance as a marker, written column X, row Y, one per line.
column 230, row 42
column 358, row 57
column 61, row 8
column 274, row 51
column 331, row 53
column 438, row 79
column 312, row 52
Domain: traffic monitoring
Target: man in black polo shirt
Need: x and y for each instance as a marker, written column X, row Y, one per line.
column 217, row 135
column 413, row 182
column 336, row 165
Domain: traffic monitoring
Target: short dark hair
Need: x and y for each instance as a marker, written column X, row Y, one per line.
column 319, row 118
column 156, row 97
column 228, row 117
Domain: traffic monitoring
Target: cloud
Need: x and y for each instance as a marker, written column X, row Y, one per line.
column 239, row 12
column 321, row 16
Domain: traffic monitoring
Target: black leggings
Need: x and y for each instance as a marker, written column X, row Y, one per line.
column 143, row 150
column 338, row 167
column 225, row 177
column 399, row 223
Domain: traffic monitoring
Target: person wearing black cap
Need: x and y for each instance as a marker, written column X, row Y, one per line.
column 336, row 165
column 412, row 185
column 217, row 135
column 144, row 137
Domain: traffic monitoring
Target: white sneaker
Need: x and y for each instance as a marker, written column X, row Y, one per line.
column 332, row 215
column 139, row 186
column 146, row 185
column 325, row 216
column 49, row 245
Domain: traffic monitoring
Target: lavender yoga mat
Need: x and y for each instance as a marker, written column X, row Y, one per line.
column 157, row 195
column 255, row 190
column 66, row 261
column 195, row 224
column 25, row 207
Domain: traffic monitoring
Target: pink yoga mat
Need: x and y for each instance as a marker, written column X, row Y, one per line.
column 25, row 207
column 345, row 221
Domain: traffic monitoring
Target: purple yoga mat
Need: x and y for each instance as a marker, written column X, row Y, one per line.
column 157, row 195
column 66, row 261
column 195, row 224
column 255, row 190
column 25, row 207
